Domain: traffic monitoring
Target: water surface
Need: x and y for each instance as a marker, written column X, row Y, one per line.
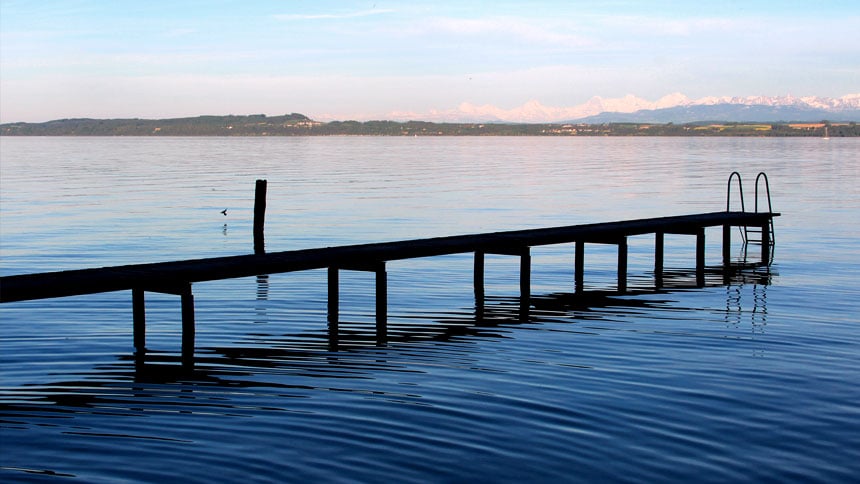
column 754, row 380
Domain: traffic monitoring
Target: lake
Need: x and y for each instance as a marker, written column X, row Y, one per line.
column 755, row 380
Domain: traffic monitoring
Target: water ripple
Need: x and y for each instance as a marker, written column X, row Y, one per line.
column 754, row 380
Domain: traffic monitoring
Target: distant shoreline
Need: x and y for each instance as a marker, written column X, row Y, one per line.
column 300, row 125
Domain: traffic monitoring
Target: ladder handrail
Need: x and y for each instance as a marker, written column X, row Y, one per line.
column 740, row 191
column 742, row 230
column 772, row 238
column 767, row 191
column 745, row 230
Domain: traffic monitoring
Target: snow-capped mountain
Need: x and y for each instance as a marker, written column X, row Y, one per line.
column 851, row 101
column 684, row 109
column 738, row 109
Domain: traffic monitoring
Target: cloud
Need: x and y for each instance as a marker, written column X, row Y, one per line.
column 663, row 26
column 531, row 31
column 329, row 16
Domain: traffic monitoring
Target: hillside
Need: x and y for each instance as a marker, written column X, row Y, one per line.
column 300, row 125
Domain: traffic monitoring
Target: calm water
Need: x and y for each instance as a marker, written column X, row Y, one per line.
column 753, row 381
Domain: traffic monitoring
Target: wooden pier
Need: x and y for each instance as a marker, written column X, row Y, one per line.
column 177, row 277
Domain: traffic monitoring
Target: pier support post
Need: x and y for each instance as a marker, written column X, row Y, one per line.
column 524, row 253
column 259, row 216
column 525, row 283
column 138, row 304
column 138, row 309
column 333, row 295
column 727, row 253
column 378, row 268
column 659, row 239
column 622, row 265
column 333, row 307
column 765, row 243
column 381, row 304
column 579, row 266
column 333, row 304
column 478, row 275
column 188, row 329
column 700, row 257
column 525, row 275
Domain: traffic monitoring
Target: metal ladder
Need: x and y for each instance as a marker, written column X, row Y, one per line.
column 752, row 235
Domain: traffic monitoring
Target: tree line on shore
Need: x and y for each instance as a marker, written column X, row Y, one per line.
column 300, row 125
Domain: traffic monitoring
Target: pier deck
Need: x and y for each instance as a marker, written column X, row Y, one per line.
column 176, row 277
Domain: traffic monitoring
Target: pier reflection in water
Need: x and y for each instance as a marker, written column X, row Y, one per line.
column 278, row 376
column 268, row 387
column 353, row 349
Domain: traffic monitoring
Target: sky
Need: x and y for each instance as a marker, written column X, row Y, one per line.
column 380, row 59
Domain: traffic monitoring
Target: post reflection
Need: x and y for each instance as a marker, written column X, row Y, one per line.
column 489, row 312
column 349, row 349
column 262, row 297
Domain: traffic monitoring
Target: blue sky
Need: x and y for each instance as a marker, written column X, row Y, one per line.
column 380, row 59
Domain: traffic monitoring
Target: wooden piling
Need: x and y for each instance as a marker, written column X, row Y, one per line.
column 525, row 276
column 333, row 308
column 138, row 304
column 659, row 240
column 622, row 265
column 478, row 275
column 378, row 268
column 727, row 253
column 333, row 296
column 259, row 216
column 700, row 256
column 525, row 283
column 188, row 328
column 765, row 242
column 579, row 268
column 381, row 304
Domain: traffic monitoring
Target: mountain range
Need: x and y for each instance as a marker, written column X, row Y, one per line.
column 674, row 108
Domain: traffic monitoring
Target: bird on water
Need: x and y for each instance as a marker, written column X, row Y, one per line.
column 224, row 212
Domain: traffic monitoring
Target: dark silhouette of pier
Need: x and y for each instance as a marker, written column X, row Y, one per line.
column 177, row 277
